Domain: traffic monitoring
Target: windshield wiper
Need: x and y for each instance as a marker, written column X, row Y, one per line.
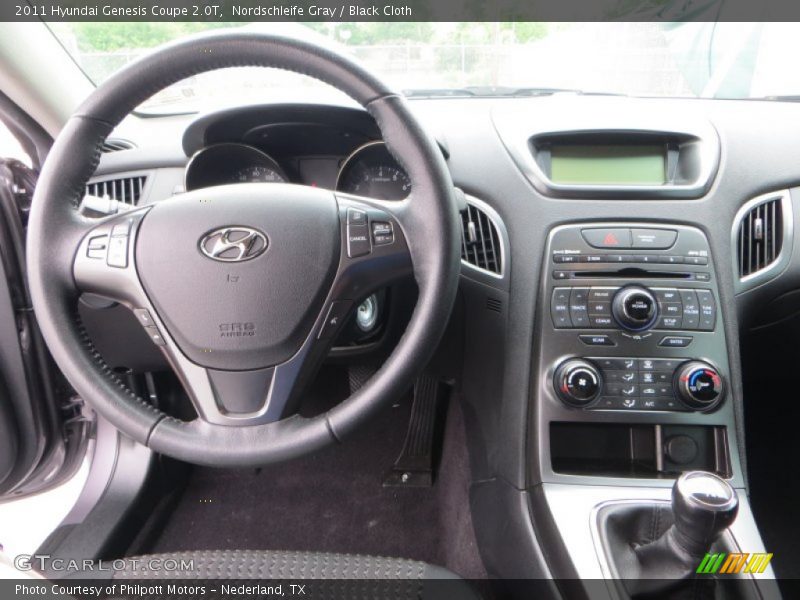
column 497, row 92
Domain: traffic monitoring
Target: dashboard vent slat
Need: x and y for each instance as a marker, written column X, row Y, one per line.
column 127, row 190
column 480, row 241
column 760, row 236
column 115, row 145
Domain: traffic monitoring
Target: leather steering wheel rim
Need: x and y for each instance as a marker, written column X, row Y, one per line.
column 56, row 230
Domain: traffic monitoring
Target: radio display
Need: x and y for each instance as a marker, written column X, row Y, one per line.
column 608, row 164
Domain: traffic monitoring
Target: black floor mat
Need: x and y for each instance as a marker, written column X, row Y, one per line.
column 334, row 501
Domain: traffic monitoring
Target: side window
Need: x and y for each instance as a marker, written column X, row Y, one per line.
column 10, row 146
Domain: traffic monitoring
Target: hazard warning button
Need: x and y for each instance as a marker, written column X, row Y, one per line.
column 604, row 237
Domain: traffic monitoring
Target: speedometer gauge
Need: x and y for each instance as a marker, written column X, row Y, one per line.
column 371, row 171
column 259, row 174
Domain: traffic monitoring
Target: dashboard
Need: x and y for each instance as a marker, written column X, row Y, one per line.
column 626, row 262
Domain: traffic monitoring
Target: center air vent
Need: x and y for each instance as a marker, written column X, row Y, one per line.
column 481, row 245
column 127, row 190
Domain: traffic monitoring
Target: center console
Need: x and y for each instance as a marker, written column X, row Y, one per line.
column 634, row 393
column 632, row 355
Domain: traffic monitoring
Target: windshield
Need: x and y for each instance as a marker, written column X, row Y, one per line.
column 709, row 60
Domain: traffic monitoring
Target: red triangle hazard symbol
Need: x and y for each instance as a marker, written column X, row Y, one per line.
column 610, row 240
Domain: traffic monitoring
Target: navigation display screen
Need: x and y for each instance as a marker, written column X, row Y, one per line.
column 608, row 164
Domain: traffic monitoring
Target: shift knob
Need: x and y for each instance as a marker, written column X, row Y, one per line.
column 703, row 505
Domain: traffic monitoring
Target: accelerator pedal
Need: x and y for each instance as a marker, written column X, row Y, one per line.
column 415, row 467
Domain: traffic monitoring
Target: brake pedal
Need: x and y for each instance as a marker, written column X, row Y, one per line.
column 415, row 466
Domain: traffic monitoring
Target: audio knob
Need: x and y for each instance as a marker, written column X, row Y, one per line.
column 635, row 308
column 699, row 385
column 578, row 382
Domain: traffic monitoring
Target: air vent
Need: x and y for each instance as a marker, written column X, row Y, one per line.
column 127, row 190
column 480, row 243
column 115, row 145
column 760, row 237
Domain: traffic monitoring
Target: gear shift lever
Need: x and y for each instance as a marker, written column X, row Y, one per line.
column 703, row 506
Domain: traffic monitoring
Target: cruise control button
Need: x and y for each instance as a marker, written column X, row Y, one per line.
column 657, row 239
column 675, row 341
column 382, row 233
column 357, row 241
column 597, row 340
column 356, row 217
column 603, row 237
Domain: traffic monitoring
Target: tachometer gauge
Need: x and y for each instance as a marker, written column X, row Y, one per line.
column 259, row 174
column 372, row 172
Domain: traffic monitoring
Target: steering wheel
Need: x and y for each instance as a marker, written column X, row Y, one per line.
column 242, row 286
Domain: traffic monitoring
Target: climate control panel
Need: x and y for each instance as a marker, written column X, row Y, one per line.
column 641, row 384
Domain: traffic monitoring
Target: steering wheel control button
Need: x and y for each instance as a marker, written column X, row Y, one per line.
column 117, row 252
column 144, row 317
column 97, row 246
column 358, row 243
column 699, row 385
column 337, row 313
column 635, row 308
column 155, row 336
column 578, row 382
column 356, row 217
column 382, row 233
column 597, row 340
column 604, row 237
column 655, row 239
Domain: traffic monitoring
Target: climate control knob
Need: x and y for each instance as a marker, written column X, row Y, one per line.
column 635, row 308
column 578, row 382
column 699, row 385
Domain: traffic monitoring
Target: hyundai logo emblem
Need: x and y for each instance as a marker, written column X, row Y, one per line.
column 233, row 244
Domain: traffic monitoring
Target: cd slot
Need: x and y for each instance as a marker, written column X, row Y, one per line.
column 632, row 273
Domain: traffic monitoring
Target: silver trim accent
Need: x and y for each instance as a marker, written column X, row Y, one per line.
column 502, row 234
column 742, row 284
column 563, row 114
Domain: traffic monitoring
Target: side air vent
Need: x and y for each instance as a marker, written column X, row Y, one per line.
column 481, row 245
column 760, row 235
column 127, row 190
column 115, row 145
